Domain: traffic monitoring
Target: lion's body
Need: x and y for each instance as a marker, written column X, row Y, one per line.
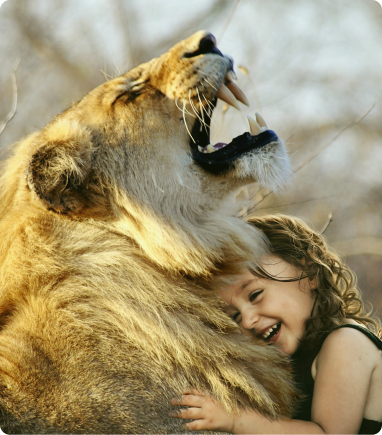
column 109, row 235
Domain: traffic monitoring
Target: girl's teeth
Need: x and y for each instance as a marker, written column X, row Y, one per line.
column 268, row 332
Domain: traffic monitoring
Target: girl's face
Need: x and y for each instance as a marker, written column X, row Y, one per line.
column 272, row 310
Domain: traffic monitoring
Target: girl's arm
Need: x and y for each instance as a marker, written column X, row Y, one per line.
column 344, row 367
column 343, row 372
column 210, row 415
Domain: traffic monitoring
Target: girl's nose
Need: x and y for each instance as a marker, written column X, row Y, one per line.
column 249, row 318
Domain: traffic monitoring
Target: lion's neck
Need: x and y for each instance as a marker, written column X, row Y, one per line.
column 195, row 245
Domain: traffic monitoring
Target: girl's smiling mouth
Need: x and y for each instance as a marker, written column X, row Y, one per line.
column 272, row 333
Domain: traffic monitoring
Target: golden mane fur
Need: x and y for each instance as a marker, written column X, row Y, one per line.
column 110, row 233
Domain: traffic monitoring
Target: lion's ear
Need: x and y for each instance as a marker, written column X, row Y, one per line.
column 59, row 168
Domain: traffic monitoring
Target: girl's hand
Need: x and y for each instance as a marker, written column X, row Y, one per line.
column 207, row 413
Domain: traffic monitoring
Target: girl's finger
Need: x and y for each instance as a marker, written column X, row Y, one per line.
column 187, row 392
column 189, row 400
column 190, row 413
column 196, row 425
column 193, row 391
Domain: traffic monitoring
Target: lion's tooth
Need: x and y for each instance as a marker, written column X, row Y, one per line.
column 200, row 148
column 231, row 76
column 226, row 95
column 210, row 148
column 254, row 127
column 260, row 120
column 238, row 93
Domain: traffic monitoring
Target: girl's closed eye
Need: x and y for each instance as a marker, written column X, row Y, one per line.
column 236, row 317
column 254, row 295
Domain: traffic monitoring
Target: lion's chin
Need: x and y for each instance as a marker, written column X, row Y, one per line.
column 222, row 158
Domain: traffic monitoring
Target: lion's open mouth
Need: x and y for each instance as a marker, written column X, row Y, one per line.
column 218, row 158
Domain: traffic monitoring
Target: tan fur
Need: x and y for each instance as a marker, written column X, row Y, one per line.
column 110, row 233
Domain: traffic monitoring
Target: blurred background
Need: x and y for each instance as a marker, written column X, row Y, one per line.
column 311, row 68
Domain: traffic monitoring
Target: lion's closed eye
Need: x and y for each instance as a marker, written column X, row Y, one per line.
column 131, row 92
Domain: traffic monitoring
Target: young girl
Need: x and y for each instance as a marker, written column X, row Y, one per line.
column 304, row 299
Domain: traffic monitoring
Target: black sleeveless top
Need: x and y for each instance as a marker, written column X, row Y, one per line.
column 302, row 362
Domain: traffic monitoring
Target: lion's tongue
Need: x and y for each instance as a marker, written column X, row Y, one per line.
column 219, row 145
column 212, row 148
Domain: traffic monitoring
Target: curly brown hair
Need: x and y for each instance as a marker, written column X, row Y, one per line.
column 337, row 295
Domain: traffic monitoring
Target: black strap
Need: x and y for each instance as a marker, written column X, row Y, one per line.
column 368, row 333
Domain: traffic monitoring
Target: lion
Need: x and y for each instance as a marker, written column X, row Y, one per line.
column 116, row 226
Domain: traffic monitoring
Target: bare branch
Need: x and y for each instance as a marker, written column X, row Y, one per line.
column 12, row 112
column 352, row 124
column 229, row 20
column 358, row 246
column 130, row 28
column 213, row 13
column 41, row 37
column 292, row 203
column 327, row 223
column 262, row 199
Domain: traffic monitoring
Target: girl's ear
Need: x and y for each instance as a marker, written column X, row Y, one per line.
column 313, row 282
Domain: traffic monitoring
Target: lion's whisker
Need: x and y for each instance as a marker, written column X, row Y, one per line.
column 195, row 109
column 176, row 103
column 192, row 104
column 211, row 109
column 202, row 109
column 212, row 86
column 185, row 122
column 209, row 104
column 184, row 108
column 106, row 75
column 206, row 110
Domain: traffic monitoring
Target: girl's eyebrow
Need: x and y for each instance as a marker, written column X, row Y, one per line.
column 246, row 284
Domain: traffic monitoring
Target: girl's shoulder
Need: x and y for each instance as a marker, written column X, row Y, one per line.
column 350, row 341
column 349, row 364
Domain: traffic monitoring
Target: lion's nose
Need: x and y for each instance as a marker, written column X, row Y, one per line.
column 208, row 45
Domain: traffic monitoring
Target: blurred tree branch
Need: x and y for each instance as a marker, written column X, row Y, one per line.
column 12, row 112
column 134, row 38
column 358, row 246
column 262, row 193
column 129, row 24
column 351, row 125
column 41, row 37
